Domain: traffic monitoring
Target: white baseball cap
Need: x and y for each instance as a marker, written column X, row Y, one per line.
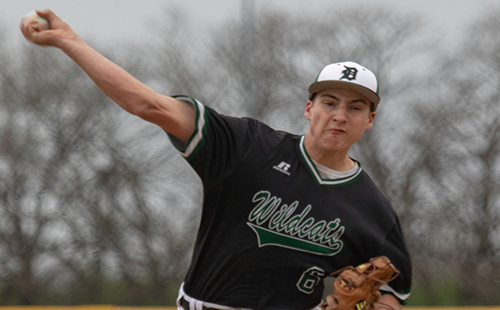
column 348, row 75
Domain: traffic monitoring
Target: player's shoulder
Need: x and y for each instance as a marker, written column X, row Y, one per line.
column 250, row 131
column 270, row 137
column 263, row 130
column 368, row 182
column 372, row 192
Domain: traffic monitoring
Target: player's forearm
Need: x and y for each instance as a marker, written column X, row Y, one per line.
column 173, row 116
column 115, row 82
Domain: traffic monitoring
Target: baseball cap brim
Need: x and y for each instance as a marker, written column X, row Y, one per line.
column 322, row 85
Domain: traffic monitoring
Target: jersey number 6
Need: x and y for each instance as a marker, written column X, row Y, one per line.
column 310, row 279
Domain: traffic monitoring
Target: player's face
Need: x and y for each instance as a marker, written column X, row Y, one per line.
column 338, row 118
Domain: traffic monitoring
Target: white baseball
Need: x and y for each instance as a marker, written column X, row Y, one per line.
column 32, row 17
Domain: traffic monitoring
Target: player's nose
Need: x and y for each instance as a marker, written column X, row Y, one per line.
column 340, row 114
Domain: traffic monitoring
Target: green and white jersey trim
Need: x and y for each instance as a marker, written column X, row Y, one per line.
column 400, row 296
column 328, row 173
column 194, row 141
column 317, row 175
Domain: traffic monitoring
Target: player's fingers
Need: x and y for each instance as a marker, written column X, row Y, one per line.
column 32, row 32
column 49, row 15
column 32, row 24
column 331, row 302
column 29, row 30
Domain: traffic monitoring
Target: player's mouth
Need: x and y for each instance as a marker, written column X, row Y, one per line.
column 337, row 130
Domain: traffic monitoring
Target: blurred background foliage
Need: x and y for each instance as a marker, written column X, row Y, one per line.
column 96, row 207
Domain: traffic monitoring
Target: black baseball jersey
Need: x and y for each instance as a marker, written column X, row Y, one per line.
column 272, row 228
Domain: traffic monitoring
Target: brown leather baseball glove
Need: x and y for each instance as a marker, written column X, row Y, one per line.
column 358, row 288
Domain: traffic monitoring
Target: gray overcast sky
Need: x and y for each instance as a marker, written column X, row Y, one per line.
column 106, row 20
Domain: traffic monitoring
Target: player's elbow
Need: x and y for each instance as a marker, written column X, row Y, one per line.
column 175, row 117
column 151, row 111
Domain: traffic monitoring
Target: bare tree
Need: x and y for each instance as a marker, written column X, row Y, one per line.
column 456, row 143
column 474, row 80
column 82, row 203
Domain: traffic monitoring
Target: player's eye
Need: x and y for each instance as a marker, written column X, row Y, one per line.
column 357, row 107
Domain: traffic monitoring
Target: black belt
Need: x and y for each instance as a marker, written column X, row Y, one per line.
column 185, row 305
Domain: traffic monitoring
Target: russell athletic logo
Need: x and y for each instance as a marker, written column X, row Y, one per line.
column 277, row 224
column 283, row 168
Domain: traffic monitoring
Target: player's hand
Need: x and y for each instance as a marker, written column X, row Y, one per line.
column 330, row 303
column 57, row 32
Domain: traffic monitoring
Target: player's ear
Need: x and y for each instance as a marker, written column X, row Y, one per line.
column 307, row 111
column 370, row 120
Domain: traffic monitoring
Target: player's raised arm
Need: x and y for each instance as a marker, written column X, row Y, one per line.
column 175, row 117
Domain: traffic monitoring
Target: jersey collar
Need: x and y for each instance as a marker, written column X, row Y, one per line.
column 314, row 171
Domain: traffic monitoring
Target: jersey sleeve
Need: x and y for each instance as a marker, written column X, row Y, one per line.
column 218, row 143
column 395, row 249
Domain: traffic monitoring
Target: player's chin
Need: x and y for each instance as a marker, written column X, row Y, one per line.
column 335, row 145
